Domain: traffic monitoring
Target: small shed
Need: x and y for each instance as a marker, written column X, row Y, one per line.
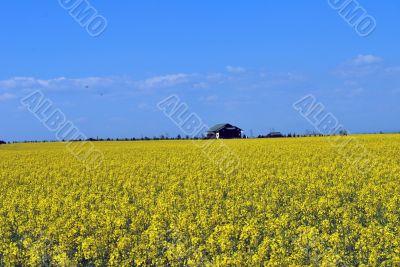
column 224, row 131
column 274, row 135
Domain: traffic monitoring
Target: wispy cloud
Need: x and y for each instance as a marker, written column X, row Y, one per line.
column 366, row 60
column 92, row 83
column 209, row 99
column 235, row 69
column 237, row 78
column 393, row 70
column 59, row 83
column 80, row 120
column 164, row 81
column 360, row 66
column 364, row 75
column 6, row 96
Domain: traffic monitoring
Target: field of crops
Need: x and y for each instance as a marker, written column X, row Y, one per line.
column 295, row 201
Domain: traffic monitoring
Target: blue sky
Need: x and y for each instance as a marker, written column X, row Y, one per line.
column 244, row 62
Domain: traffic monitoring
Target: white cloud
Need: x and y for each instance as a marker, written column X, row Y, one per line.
column 366, row 60
column 80, row 120
column 209, row 99
column 6, row 96
column 215, row 77
column 91, row 83
column 117, row 119
column 235, row 69
column 200, row 85
column 126, row 86
column 164, row 81
column 360, row 66
column 60, row 83
column 392, row 69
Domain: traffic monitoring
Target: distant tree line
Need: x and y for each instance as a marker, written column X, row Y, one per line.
column 178, row 137
column 295, row 135
column 146, row 138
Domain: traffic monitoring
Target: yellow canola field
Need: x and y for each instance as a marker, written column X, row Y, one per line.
column 289, row 202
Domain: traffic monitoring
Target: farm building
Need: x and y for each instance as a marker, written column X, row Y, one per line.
column 224, row 131
column 274, row 135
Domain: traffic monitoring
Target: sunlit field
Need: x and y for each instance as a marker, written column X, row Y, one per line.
column 293, row 201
